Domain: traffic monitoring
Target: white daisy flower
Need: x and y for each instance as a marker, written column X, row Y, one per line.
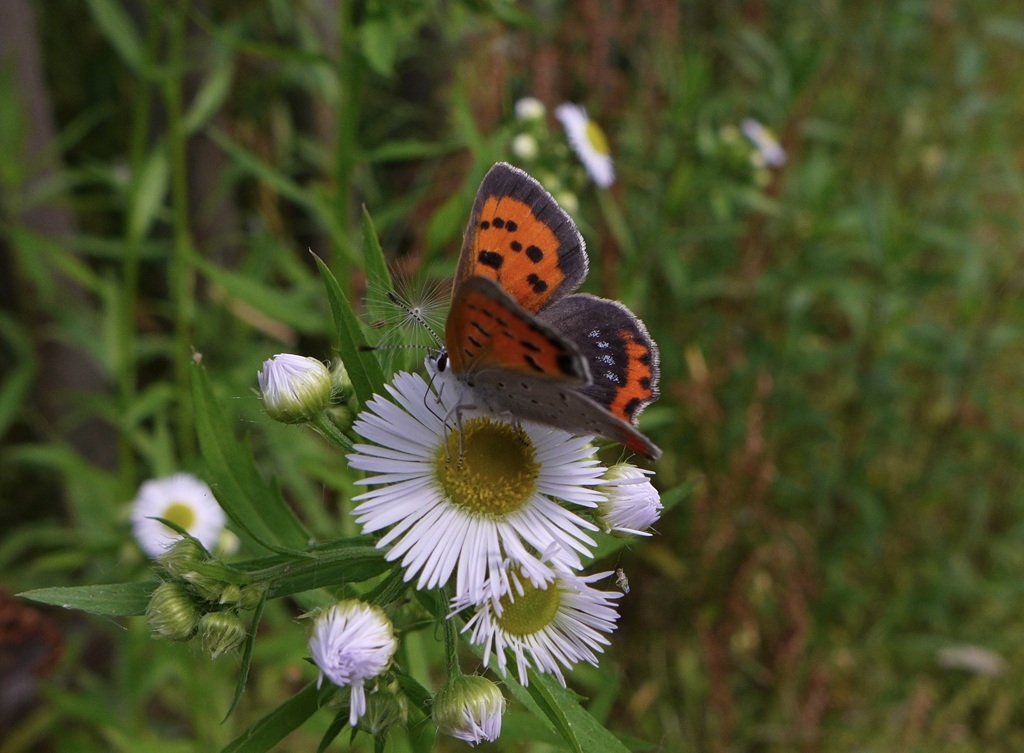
column 547, row 627
column 183, row 500
column 764, row 141
column 524, row 146
column 469, row 708
column 294, row 388
column 589, row 142
column 470, row 500
column 632, row 504
column 352, row 642
column 530, row 108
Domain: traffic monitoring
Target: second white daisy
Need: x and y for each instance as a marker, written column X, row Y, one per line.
column 182, row 499
column 468, row 501
column 589, row 142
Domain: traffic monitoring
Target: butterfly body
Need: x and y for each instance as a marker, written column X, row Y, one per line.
column 520, row 337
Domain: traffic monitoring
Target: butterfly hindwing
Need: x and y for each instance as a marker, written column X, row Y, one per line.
column 486, row 329
column 621, row 356
column 557, row 404
column 518, row 236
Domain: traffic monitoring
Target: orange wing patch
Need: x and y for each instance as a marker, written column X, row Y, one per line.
column 516, row 250
column 486, row 329
column 638, row 388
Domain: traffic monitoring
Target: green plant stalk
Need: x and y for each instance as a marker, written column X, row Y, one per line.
column 182, row 271
column 126, row 344
column 350, row 81
column 451, row 637
column 326, row 426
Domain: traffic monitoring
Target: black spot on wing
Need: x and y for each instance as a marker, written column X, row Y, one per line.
column 491, row 259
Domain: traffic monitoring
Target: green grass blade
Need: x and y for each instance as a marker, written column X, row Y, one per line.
column 255, row 507
column 250, row 642
column 362, row 367
column 275, row 726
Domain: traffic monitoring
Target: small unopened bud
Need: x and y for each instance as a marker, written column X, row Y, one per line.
column 252, row 595
column 530, row 108
column 207, row 587
column 232, row 594
column 524, row 146
column 221, row 632
column 384, row 709
column 295, row 388
column 469, row 708
column 182, row 556
column 172, row 613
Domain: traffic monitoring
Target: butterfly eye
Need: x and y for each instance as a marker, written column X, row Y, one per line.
column 442, row 361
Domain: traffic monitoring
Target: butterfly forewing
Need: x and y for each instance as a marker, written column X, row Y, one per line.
column 518, row 236
column 487, row 330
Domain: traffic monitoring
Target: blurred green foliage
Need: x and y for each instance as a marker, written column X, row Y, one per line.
column 841, row 346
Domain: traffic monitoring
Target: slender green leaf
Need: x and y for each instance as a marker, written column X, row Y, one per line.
column 21, row 371
column 362, row 367
column 113, row 600
column 272, row 728
column 212, row 93
column 250, row 643
column 378, row 278
column 333, row 730
column 284, row 307
column 148, row 195
column 116, row 25
column 257, row 509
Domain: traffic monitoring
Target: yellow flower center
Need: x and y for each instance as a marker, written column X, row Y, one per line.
column 181, row 514
column 497, row 471
column 597, row 138
column 532, row 611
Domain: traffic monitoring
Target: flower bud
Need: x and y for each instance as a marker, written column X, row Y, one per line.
column 295, row 388
column 221, row 632
column 530, row 108
column 384, row 709
column 252, row 595
column 469, row 708
column 632, row 504
column 524, row 146
column 231, row 594
column 172, row 613
column 179, row 559
column 207, row 587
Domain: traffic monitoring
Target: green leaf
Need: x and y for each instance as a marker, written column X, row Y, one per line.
column 113, row 600
column 362, row 367
column 148, row 193
column 378, row 278
column 211, row 95
column 560, row 707
column 275, row 726
column 257, row 509
column 286, row 307
column 116, row 25
column 250, row 643
column 20, row 374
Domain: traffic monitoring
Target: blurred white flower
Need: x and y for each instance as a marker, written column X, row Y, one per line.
column 183, row 500
column 524, row 146
column 765, row 142
column 589, row 142
column 530, row 108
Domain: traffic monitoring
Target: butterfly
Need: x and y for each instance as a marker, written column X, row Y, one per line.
column 520, row 336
